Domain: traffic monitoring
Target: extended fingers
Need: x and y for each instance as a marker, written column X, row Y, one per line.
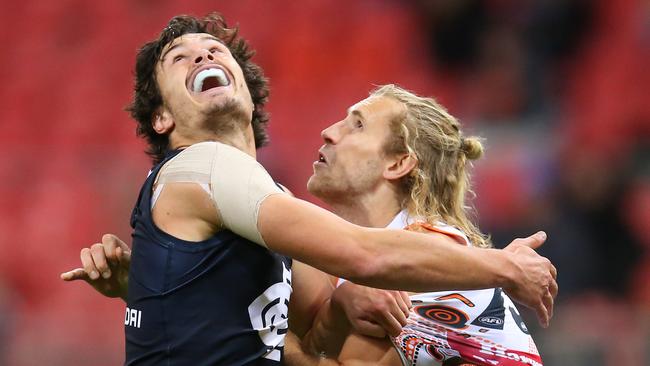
column 390, row 324
column 123, row 256
column 548, row 303
column 99, row 258
column 542, row 314
column 544, row 305
column 400, row 315
column 75, row 274
column 551, row 293
column 388, row 312
column 553, row 288
column 111, row 243
column 88, row 264
column 553, row 271
column 407, row 299
column 403, row 304
column 534, row 241
column 395, row 308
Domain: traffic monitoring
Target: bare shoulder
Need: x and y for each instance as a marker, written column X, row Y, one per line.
column 185, row 210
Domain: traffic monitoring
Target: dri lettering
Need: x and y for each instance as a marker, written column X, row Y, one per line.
column 133, row 317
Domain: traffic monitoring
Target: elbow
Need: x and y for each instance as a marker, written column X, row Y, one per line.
column 364, row 273
column 364, row 261
column 366, row 267
column 383, row 270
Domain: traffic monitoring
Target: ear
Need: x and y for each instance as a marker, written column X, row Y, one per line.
column 162, row 123
column 400, row 166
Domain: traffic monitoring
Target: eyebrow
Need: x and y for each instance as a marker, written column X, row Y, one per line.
column 356, row 112
column 179, row 44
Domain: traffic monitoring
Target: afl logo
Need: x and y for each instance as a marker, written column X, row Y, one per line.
column 490, row 320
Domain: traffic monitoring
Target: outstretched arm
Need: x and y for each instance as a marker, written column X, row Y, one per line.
column 247, row 202
column 398, row 259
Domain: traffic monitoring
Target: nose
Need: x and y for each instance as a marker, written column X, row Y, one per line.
column 203, row 56
column 332, row 134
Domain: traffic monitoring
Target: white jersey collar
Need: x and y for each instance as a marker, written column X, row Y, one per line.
column 402, row 220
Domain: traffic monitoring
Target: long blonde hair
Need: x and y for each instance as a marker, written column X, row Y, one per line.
column 438, row 187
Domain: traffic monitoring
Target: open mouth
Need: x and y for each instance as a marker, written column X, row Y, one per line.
column 321, row 158
column 209, row 78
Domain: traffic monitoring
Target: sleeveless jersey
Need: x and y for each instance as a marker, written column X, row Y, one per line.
column 478, row 327
column 222, row 301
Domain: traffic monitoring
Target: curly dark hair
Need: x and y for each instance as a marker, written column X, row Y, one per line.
column 147, row 97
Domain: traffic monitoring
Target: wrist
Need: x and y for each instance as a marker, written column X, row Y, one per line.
column 504, row 269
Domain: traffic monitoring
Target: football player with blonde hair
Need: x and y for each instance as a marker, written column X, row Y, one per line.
column 401, row 161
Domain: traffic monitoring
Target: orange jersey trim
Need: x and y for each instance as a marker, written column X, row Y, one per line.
column 423, row 226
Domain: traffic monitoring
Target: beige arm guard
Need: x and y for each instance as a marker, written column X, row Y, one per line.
column 238, row 183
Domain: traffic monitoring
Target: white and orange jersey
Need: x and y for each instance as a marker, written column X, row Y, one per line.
column 478, row 327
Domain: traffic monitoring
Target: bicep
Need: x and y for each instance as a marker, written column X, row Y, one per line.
column 312, row 235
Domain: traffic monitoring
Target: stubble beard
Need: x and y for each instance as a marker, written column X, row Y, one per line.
column 226, row 118
column 321, row 187
column 330, row 189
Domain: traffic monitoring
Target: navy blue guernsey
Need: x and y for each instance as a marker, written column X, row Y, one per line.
column 222, row 301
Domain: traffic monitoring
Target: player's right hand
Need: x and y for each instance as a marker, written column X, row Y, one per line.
column 534, row 282
column 371, row 311
column 105, row 266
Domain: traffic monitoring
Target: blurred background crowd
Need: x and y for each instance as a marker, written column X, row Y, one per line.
column 558, row 89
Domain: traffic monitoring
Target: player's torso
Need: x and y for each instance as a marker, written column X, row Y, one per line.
column 482, row 327
column 223, row 300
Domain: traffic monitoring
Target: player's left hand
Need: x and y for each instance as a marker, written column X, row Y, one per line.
column 371, row 311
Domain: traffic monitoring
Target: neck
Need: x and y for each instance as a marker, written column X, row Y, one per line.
column 372, row 209
column 242, row 140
